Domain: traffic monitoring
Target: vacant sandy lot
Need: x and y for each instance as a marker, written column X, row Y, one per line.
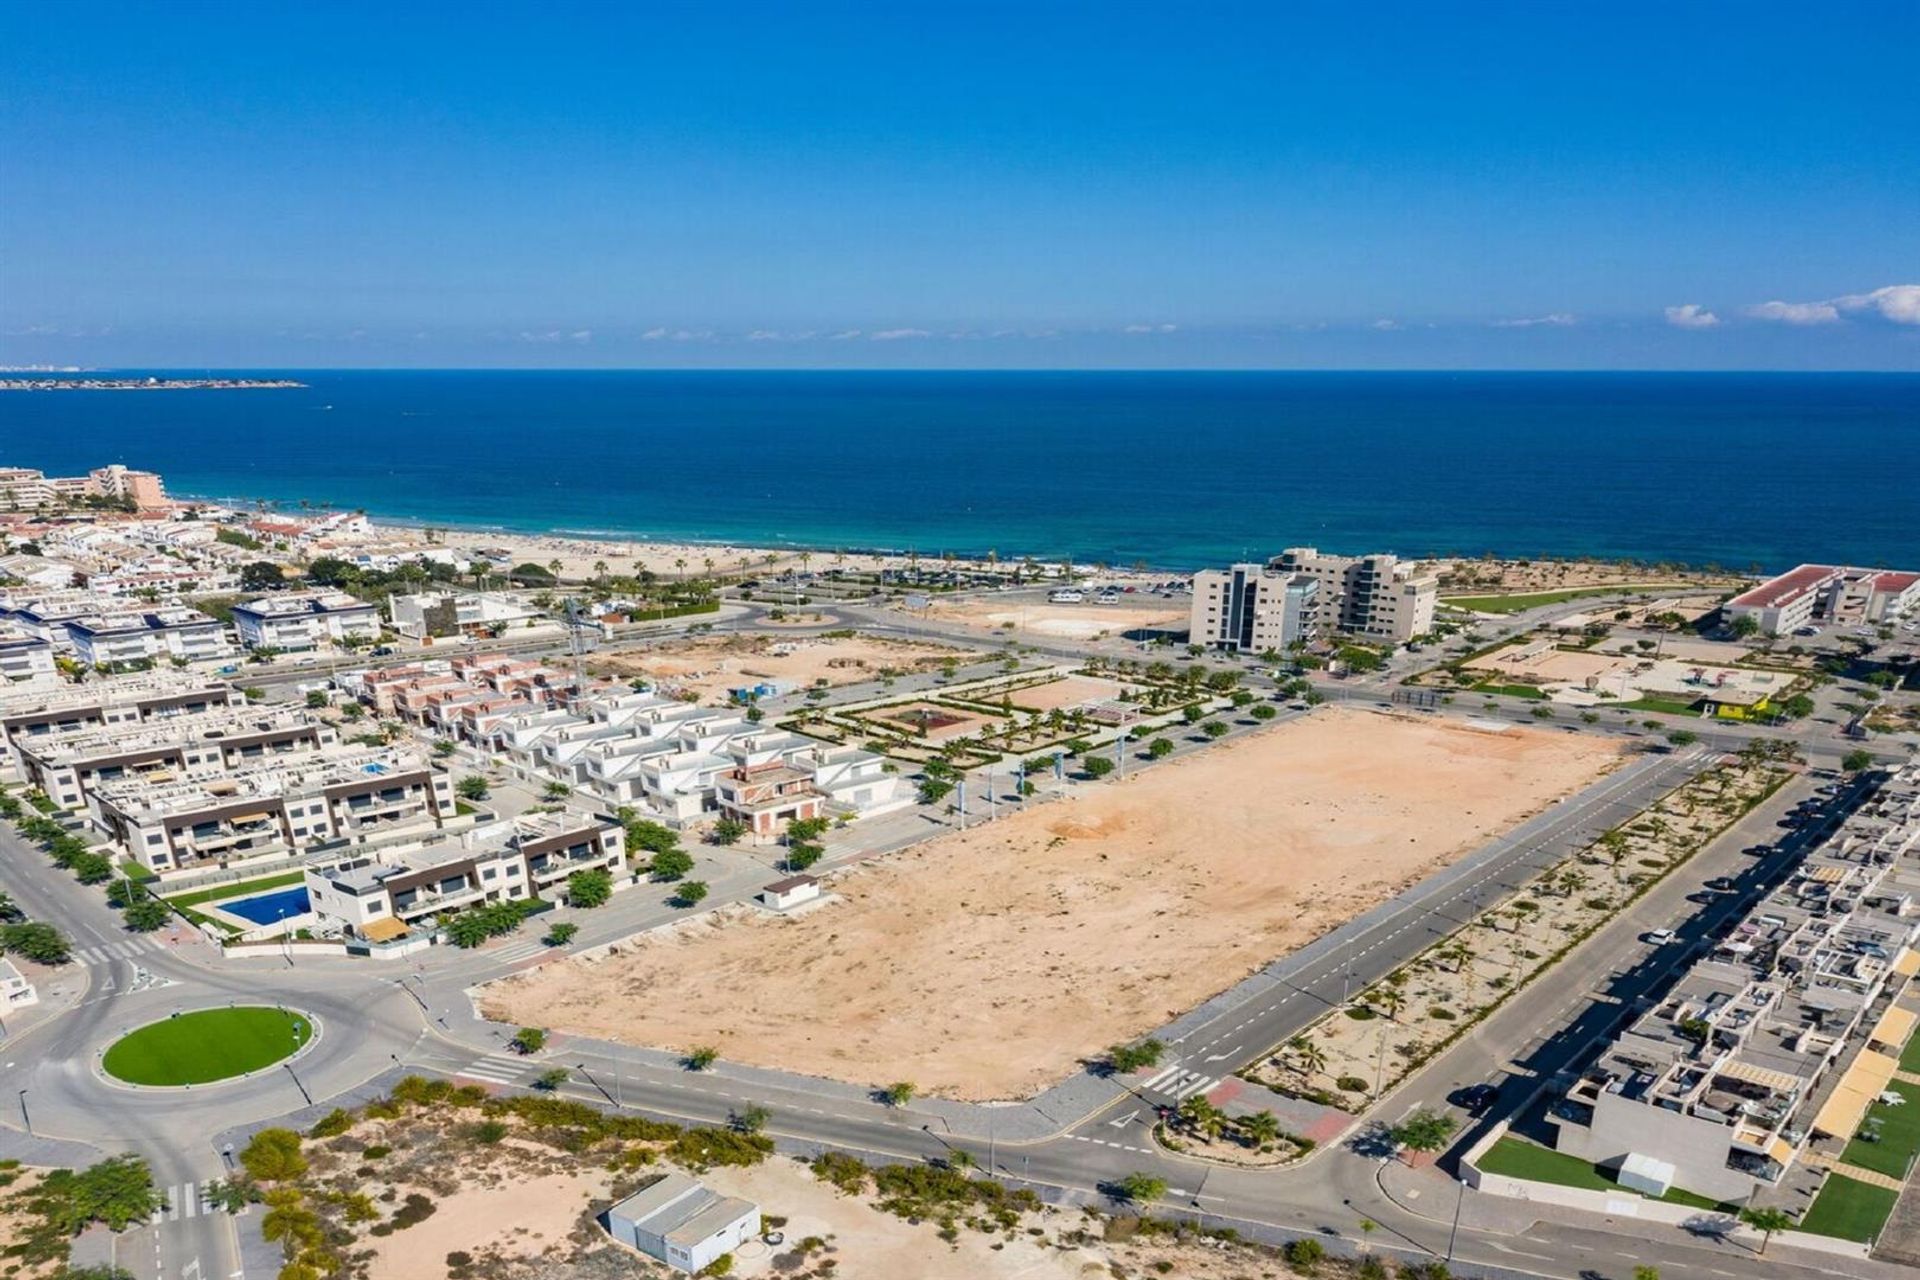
column 1518, row 577
column 1074, row 621
column 1065, row 694
column 709, row 667
column 984, row 964
column 524, row 1217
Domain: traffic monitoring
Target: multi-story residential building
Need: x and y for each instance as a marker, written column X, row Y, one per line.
column 26, row 660
column 453, row 613
column 30, row 715
column 305, row 620
column 68, row 766
column 383, row 896
column 279, row 809
column 1249, row 608
column 1825, row 593
column 767, row 796
column 25, row 489
column 1373, row 597
column 1764, row 1046
column 130, row 638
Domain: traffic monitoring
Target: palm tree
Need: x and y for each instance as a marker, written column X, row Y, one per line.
column 553, row 567
column 680, row 566
column 1308, row 1057
column 1260, row 1128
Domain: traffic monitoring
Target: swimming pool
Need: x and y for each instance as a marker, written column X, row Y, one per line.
column 266, row 908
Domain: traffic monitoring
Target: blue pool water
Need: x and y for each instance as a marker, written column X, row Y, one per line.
column 266, row 908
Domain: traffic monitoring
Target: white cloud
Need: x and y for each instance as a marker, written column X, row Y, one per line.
column 1899, row 303
column 843, row 335
column 1150, row 328
column 765, row 335
column 675, row 335
column 1385, row 325
column 581, row 335
column 1558, row 320
column 1692, row 316
column 1800, row 313
column 895, row 335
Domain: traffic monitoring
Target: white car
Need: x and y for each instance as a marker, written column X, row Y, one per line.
column 1658, row 937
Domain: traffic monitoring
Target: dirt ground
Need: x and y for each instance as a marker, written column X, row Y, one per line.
column 520, row 1218
column 1066, row 693
column 984, row 964
column 712, row 665
column 1516, row 577
column 1071, row 621
column 964, row 723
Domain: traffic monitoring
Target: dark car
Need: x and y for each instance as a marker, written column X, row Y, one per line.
column 1475, row 1099
column 1721, row 884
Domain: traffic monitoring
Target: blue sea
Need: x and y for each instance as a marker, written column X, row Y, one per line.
column 1175, row 469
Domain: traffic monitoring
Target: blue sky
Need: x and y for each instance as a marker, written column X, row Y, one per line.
column 978, row 185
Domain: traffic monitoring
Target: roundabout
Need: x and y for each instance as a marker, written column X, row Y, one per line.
column 207, row 1046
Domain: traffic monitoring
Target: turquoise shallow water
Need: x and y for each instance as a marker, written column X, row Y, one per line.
column 1172, row 468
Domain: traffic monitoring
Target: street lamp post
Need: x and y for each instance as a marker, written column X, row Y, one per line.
column 25, row 1118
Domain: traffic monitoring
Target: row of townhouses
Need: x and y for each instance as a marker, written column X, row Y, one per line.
column 1780, row 1036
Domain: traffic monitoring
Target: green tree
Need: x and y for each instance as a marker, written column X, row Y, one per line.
column 1160, row 748
column 899, row 1093
column 589, row 888
column 92, row 868
column 1123, row 1058
column 551, row 1079
column 146, row 915
column 933, row 790
column 1139, row 1188
column 118, row 1192
column 670, row 864
column 40, row 943
column 1264, row 711
column 701, row 1057
column 1097, row 766
column 1214, row 728
column 561, row 933
column 1424, row 1131
column 1745, row 626
column 528, row 1040
column 751, row 1119
column 1766, row 1221
column 691, row 893
column 471, row 787
column 273, row 1155
column 316, row 699
column 1856, row 760
column 646, row 835
column 1260, row 1128
column 803, row 855
column 728, row 831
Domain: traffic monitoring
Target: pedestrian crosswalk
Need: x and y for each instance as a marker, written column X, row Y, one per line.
column 496, row 1068
column 187, row 1200
column 1179, row 1084
column 518, row 951
column 108, row 952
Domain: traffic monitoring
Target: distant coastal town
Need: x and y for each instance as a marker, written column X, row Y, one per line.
column 146, row 384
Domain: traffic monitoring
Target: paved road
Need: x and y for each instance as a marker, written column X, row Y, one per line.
column 380, row 1020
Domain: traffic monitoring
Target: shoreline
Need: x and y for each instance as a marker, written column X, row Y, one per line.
column 656, row 542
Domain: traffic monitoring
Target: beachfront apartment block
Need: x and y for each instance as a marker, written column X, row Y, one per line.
column 1827, row 594
column 305, row 620
column 439, row 614
column 222, row 740
column 1371, row 597
column 30, row 715
column 1766, row 1046
column 1249, row 608
column 137, row 638
column 384, row 896
column 278, row 809
column 26, row 489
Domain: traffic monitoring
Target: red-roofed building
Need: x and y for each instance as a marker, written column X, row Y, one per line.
column 1826, row 593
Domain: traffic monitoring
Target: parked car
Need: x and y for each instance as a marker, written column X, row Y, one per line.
column 1658, row 937
column 1721, row 884
column 1475, row 1099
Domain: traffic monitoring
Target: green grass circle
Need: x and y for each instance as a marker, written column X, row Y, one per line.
column 212, row 1044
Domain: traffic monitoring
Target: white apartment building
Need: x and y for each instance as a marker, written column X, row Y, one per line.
column 1249, row 608
column 26, row 660
column 1826, row 593
column 280, row 809
column 31, row 715
column 1765, row 1045
column 27, row 489
column 453, row 613
column 384, row 896
column 224, row 740
column 136, row 638
column 1373, row 597
column 305, row 620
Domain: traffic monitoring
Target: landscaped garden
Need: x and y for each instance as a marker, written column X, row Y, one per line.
column 207, row 1045
column 1514, row 1158
column 1849, row 1209
column 1889, row 1135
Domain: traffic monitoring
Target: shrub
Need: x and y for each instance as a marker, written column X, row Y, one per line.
column 843, row 1172
column 490, row 1131
column 273, row 1155
column 332, row 1124
column 1351, row 1084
